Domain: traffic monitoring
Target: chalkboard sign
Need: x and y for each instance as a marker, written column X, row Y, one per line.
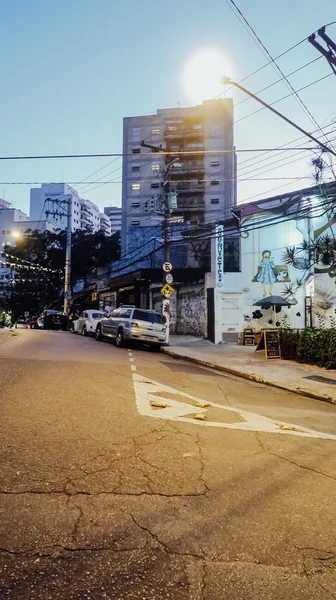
column 270, row 342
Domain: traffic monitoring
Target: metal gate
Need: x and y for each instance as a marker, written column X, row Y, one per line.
column 211, row 315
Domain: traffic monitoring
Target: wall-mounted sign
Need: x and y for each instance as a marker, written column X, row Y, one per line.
column 219, row 255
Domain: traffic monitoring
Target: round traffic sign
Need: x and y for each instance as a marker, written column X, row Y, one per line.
column 167, row 267
column 169, row 278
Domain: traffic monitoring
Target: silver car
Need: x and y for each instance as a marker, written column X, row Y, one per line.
column 128, row 323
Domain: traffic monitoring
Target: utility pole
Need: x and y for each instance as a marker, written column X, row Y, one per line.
column 167, row 267
column 329, row 54
column 67, row 266
column 67, row 271
column 227, row 80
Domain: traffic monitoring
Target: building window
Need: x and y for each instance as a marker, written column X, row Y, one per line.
column 136, row 134
column 8, row 231
column 135, row 223
column 215, row 182
column 135, row 169
column 232, row 254
column 214, row 200
column 135, row 186
column 215, row 163
column 155, row 185
column 4, row 232
column 135, row 150
column 135, row 204
column 155, row 131
column 155, row 167
column 198, row 126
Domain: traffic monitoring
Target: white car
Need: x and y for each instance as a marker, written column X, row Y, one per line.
column 87, row 322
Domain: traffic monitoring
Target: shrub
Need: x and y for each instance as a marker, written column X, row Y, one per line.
column 313, row 346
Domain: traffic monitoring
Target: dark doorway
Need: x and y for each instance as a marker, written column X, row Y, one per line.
column 211, row 314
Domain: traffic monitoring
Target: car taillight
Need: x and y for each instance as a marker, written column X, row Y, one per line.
column 134, row 324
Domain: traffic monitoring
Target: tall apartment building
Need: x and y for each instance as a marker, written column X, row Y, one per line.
column 199, row 141
column 114, row 214
column 84, row 213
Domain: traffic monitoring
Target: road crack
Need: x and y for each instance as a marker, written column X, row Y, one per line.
column 292, row 462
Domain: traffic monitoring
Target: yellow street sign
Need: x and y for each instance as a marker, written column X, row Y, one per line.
column 167, row 290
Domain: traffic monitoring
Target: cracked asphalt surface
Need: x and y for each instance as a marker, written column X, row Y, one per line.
column 99, row 502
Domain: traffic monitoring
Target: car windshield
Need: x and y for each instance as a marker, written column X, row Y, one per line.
column 98, row 315
column 142, row 315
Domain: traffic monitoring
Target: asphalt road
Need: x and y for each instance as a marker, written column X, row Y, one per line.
column 111, row 488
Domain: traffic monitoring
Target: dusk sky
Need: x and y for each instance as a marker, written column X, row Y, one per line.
column 72, row 69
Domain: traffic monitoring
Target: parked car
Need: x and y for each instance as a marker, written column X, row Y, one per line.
column 21, row 324
column 87, row 322
column 129, row 323
column 52, row 319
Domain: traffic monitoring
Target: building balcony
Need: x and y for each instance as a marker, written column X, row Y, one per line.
column 194, row 133
column 190, row 204
column 175, row 134
column 190, row 188
column 196, row 166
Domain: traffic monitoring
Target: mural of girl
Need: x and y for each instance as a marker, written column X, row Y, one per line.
column 266, row 275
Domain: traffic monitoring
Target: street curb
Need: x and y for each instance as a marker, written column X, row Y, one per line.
column 249, row 376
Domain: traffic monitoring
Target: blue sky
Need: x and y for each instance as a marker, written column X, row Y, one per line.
column 72, row 69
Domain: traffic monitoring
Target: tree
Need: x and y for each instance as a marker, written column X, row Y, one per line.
column 33, row 288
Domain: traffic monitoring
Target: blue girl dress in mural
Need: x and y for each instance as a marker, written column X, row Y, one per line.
column 266, row 275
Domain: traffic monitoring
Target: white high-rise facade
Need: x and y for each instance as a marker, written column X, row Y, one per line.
column 43, row 205
column 50, row 203
column 199, row 146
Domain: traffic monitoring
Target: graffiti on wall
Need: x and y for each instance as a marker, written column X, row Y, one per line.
column 269, row 273
column 191, row 311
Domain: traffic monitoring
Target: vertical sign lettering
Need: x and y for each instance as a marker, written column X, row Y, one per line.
column 219, row 255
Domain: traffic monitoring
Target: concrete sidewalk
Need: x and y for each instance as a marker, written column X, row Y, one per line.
column 244, row 361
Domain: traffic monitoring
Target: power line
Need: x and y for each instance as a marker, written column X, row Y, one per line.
column 284, row 98
column 275, row 65
column 282, row 148
column 98, row 170
column 254, row 169
column 148, row 154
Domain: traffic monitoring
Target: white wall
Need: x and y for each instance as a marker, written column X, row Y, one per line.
column 234, row 300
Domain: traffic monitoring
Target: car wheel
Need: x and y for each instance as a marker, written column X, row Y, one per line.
column 98, row 334
column 156, row 347
column 84, row 332
column 120, row 342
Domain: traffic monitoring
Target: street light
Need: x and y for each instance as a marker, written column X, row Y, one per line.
column 16, row 234
column 226, row 80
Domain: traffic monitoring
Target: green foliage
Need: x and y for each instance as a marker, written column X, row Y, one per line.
column 313, row 346
column 32, row 290
column 288, row 342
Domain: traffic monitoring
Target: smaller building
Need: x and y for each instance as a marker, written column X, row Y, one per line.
column 142, row 288
column 261, row 252
column 114, row 214
column 105, row 224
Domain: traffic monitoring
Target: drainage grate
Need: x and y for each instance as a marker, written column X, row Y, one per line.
column 321, row 379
